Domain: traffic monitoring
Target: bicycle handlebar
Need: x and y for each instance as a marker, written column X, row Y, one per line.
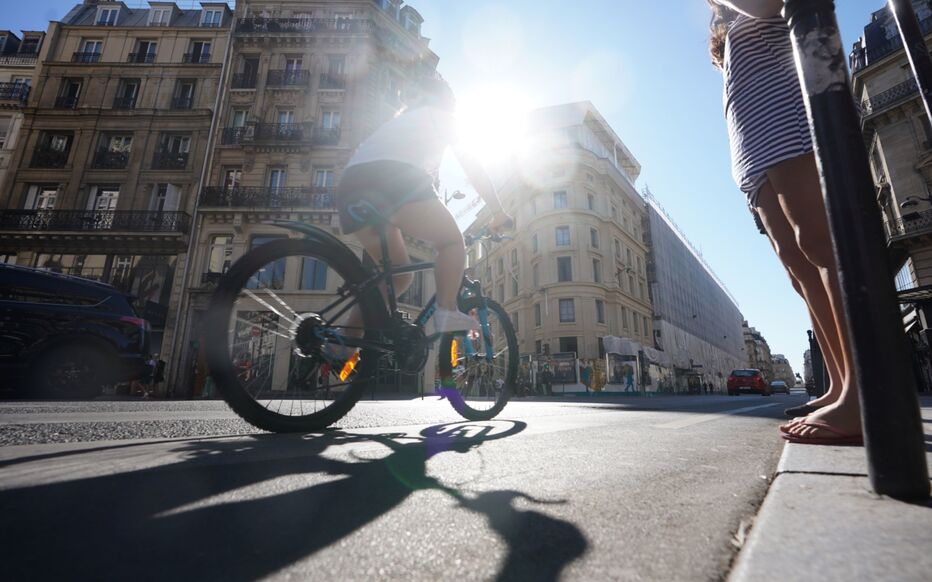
column 485, row 233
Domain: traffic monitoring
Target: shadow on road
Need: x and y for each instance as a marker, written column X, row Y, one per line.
column 194, row 519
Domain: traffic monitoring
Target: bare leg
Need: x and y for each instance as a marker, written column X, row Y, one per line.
column 796, row 182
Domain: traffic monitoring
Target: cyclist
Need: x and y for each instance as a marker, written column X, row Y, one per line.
column 395, row 170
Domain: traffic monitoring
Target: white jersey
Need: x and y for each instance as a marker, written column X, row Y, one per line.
column 417, row 137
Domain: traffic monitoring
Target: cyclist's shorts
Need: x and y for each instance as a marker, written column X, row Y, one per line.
column 386, row 185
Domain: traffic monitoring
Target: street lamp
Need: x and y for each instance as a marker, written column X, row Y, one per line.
column 457, row 195
column 914, row 201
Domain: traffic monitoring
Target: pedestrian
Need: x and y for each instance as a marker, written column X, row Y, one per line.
column 585, row 375
column 547, row 379
column 773, row 164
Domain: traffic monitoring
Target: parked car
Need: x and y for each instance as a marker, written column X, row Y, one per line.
column 747, row 380
column 779, row 386
column 67, row 337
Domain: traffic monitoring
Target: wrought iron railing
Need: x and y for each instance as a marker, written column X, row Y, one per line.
column 167, row 160
column 195, row 58
column 910, row 224
column 124, row 102
column 66, row 102
column 268, row 197
column 267, row 132
column 331, row 81
column 14, row 92
column 889, row 97
column 49, row 158
column 243, row 81
column 327, row 136
column 301, row 25
column 82, row 57
column 141, row 58
column 182, row 102
column 84, row 220
column 107, row 160
column 288, row 78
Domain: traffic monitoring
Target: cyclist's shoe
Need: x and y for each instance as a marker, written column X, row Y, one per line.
column 448, row 320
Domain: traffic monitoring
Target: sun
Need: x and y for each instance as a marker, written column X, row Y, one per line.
column 491, row 122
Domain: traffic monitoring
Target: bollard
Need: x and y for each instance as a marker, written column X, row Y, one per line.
column 887, row 389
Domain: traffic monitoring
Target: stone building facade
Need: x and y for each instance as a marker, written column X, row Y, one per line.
column 306, row 82
column 898, row 136
column 576, row 270
column 18, row 58
column 758, row 352
column 782, row 370
column 104, row 178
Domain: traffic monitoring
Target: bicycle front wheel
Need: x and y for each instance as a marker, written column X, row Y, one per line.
column 483, row 364
column 275, row 344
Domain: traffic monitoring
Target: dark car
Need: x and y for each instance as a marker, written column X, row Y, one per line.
column 747, row 380
column 779, row 386
column 67, row 337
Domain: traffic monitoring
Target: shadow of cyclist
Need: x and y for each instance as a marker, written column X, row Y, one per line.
column 222, row 512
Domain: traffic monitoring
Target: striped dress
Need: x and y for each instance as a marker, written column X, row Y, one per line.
column 763, row 101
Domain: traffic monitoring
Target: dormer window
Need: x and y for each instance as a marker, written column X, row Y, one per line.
column 107, row 16
column 160, row 17
column 212, row 18
column 29, row 46
column 412, row 24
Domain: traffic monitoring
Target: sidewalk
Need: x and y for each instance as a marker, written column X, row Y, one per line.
column 820, row 521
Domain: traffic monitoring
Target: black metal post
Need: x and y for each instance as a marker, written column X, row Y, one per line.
column 817, row 364
column 890, row 408
column 915, row 46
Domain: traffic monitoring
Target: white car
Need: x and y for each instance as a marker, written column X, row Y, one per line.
column 779, row 386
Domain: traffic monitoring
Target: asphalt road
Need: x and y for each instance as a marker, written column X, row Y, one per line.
column 636, row 489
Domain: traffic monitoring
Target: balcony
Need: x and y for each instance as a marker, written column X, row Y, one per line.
column 27, row 59
column 910, row 225
column 167, row 160
column 243, row 81
column 288, row 78
column 330, row 81
column 124, row 102
column 195, row 58
column 267, row 132
column 268, row 197
column 301, row 25
column 141, row 58
column 888, row 98
column 49, row 158
column 85, row 57
column 182, row 102
column 15, row 92
column 107, row 160
column 326, row 136
column 95, row 220
column 66, row 103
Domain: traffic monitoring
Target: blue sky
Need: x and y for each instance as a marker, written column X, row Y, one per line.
column 644, row 65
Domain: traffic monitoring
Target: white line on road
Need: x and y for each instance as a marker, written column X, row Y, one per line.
column 699, row 418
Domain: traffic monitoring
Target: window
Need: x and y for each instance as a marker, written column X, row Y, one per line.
column 630, row 262
column 145, row 51
column 624, row 317
column 285, row 116
column 30, row 45
column 271, row 276
column 501, row 293
column 500, row 265
column 594, row 238
column 238, row 117
column 184, row 94
column 535, row 243
column 537, row 346
column 165, row 198
column 323, row 178
column 514, row 321
column 103, row 199
column 330, row 119
column 69, row 93
column 646, row 327
column 640, row 266
column 277, row 178
column 200, row 52
column 293, row 65
column 514, row 257
column 232, row 176
column 596, row 270
column 313, row 275
column 212, row 18
column 514, row 286
column 535, row 274
column 160, row 17
column 599, row 311
column 634, row 322
column 631, row 288
column 643, row 291
column 107, row 16
column 41, row 196
column 617, row 249
column 127, row 94
column 220, row 255
column 537, row 315
column 336, row 65
column 344, row 20
column 564, row 269
column 614, row 213
column 590, row 201
column 90, row 52
column 559, row 199
column 414, row 295
column 113, row 152
column 562, row 236
column 567, row 311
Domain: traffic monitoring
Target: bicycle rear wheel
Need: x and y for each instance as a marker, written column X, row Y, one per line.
column 483, row 364
column 274, row 346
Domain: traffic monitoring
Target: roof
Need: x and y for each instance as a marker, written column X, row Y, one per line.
column 84, row 15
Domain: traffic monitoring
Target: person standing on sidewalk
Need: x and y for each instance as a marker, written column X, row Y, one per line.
column 773, row 164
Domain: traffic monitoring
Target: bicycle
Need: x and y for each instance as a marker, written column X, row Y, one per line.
column 262, row 313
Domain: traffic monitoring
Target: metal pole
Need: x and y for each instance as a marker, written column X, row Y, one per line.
column 915, row 46
column 817, row 364
column 890, row 409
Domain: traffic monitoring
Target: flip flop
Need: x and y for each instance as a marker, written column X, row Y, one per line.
column 801, row 410
column 837, row 438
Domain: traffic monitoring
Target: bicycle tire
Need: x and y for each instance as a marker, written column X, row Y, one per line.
column 217, row 334
column 509, row 369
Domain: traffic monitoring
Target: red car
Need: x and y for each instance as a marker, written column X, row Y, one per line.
column 747, row 380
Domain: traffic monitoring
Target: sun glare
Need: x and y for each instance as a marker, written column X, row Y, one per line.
column 492, row 122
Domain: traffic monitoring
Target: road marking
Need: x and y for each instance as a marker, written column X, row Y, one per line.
column 700, row 418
